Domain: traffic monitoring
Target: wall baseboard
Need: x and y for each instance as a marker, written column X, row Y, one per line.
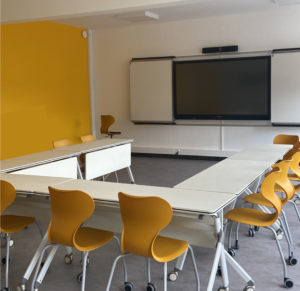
column 202, row 154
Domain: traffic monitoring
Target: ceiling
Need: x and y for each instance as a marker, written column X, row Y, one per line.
column 210, row 8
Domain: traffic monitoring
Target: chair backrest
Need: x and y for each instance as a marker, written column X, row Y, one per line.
column 286, row 139
column 143, row 218
column 88, row 138
column 267, row 190
column 62, row 143
column 69, row 210
column 283, row 180
column 8, row 194
column 294, row 166
column 106, row 122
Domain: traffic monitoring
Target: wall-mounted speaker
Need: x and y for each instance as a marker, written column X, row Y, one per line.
column 220, row 49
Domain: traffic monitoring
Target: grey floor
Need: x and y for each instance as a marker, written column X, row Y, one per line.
column 258, row 255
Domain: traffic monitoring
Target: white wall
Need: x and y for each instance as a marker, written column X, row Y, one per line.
column 114, row 48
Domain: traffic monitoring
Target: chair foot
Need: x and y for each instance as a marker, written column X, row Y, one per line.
column 251, row 232
column 79, row 277
column 21, row 287
column 172, row 276
column 236, row 245
column 288, row 283
column 68, row 258
column 249, row 288
column 292, row 260
column 128, row 286
column 223, row 289
column 151, row 287
column 231, row 252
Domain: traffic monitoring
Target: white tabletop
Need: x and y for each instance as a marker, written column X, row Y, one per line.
column 94, row 145
column 33, row 160
column 183, row 200
column 32, row 184
column 271, row 153
column 229, row 176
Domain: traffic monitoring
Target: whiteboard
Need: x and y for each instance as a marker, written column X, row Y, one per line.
column 151, row 91
column 285, row 88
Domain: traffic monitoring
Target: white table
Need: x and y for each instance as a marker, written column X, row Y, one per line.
column 235, row 174
column 33, row 160
column 103, row 156
column 197, row 216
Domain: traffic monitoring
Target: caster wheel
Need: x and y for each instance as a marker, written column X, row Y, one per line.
column 249, row 288
column 68, row 259
column 87, row 262
column 297, row 201
column 288, row 283
column 231, row 252
column 219, row 271
column 79, row 277
column 4, row 260
column 151, row 287
column 21, row 287
column 223, row 289
column 251, row 232
column 173, row 276
column 293, row 261
column 256, row 228
column 128, row 286
column 236, row 245
column 280, row 233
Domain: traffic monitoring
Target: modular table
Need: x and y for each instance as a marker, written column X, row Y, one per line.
column 197, row 216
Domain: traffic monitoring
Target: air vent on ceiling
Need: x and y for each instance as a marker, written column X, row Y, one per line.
column 287, row 2
column 138, row 16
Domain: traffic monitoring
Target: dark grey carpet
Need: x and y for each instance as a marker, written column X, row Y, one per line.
column 258, row 255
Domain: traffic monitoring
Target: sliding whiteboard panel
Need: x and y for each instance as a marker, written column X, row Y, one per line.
column 106, row 161
column 64, row 169
column 285, row 92
column 151, row 91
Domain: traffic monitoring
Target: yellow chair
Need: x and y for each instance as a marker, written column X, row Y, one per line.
column 106, row 122
column 69, row 210
column 286, row 139
column 62, row 143
column 262, row 219
column 87, row 138
column 283, row 185
column 11, row 223
column 143, row 219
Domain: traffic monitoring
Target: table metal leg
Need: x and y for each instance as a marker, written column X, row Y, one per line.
column 79, row 173
column 34, row 260
column 130, row 175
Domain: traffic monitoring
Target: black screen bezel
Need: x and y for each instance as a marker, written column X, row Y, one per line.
column 222, row 116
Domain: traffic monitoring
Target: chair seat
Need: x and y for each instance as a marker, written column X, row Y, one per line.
column 88, row 239
column 293, row 177
column 250, row 216
column 13, row 223
column 258, row 198
column 166, row 249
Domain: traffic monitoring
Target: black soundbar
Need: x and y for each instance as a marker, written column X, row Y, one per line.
column 220, row 49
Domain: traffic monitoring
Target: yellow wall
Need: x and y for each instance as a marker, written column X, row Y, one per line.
column 44, row 87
